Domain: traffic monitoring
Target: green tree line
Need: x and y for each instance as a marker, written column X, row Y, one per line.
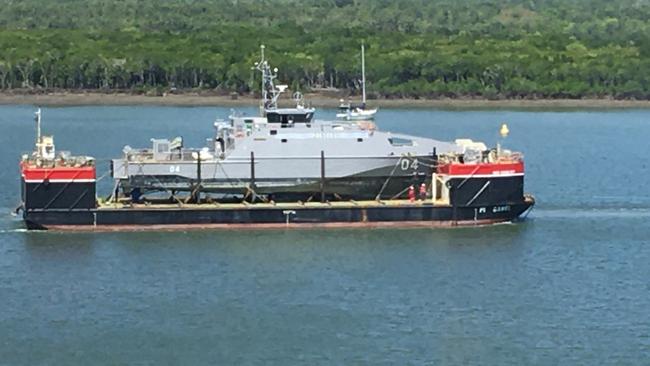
column 414, row 48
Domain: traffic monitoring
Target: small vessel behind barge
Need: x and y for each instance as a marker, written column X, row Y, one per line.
column 472, row 186
column 358, row 112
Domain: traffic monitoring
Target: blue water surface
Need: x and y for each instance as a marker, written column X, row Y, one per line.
column 567, row 287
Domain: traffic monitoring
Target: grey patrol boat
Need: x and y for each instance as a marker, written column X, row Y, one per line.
column 284, row 155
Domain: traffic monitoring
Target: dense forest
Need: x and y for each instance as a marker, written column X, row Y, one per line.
column 414, row 48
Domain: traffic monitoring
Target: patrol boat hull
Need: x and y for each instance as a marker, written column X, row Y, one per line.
column 304, row 179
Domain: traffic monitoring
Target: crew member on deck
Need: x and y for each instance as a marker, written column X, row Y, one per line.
column 423, row 191
column 411, row 193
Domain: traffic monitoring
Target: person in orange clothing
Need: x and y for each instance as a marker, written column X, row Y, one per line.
column 411, row 193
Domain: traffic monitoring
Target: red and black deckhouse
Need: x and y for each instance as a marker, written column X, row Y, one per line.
column 484, row 183
column 57, row 186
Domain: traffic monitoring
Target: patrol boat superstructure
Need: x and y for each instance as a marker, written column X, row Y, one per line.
column 251, row 154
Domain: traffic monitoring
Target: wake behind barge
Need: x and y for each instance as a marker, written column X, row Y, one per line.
column 467, row 185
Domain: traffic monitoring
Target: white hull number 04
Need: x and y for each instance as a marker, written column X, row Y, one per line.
column 407, row 164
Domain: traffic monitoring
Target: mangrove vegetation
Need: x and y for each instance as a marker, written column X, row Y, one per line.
column 414, row 48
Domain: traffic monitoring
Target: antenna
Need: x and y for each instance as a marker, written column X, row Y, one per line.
column 504, row 131
column 37, row 118
column 263, row 64
column 262, row 67
column 363, row 74
column 269, row 92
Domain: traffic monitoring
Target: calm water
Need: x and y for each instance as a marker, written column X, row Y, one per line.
column 570, row 286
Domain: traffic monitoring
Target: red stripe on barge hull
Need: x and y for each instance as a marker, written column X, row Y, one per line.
column 58, row 174
column 491, row 169
column 277, row 226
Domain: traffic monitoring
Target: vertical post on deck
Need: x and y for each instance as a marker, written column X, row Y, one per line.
column 197, row 189
column 434, row 175
column 251, row 185
column 454, row 207
column 252, row 169
column 322, row 176
column 435, row 160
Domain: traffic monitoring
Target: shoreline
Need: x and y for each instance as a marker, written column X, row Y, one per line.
column 64, row 99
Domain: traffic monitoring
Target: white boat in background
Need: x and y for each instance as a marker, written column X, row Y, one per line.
column 353, row 112
column 356, row 112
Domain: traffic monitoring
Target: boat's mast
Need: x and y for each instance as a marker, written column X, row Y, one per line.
column 263, row 68
column 269, row 92
column 363, row 73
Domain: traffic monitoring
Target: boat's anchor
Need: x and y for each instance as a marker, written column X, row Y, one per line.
column 17, row 210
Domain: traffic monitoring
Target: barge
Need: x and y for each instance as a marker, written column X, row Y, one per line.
column 469, row 186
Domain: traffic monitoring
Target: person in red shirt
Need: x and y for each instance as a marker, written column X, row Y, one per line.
column 423, row 191
column 411, row 193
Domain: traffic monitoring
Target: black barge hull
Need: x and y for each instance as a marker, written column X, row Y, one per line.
column 351, row 214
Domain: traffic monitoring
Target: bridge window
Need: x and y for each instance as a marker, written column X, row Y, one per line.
column 163, row 147
column 400, row 141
